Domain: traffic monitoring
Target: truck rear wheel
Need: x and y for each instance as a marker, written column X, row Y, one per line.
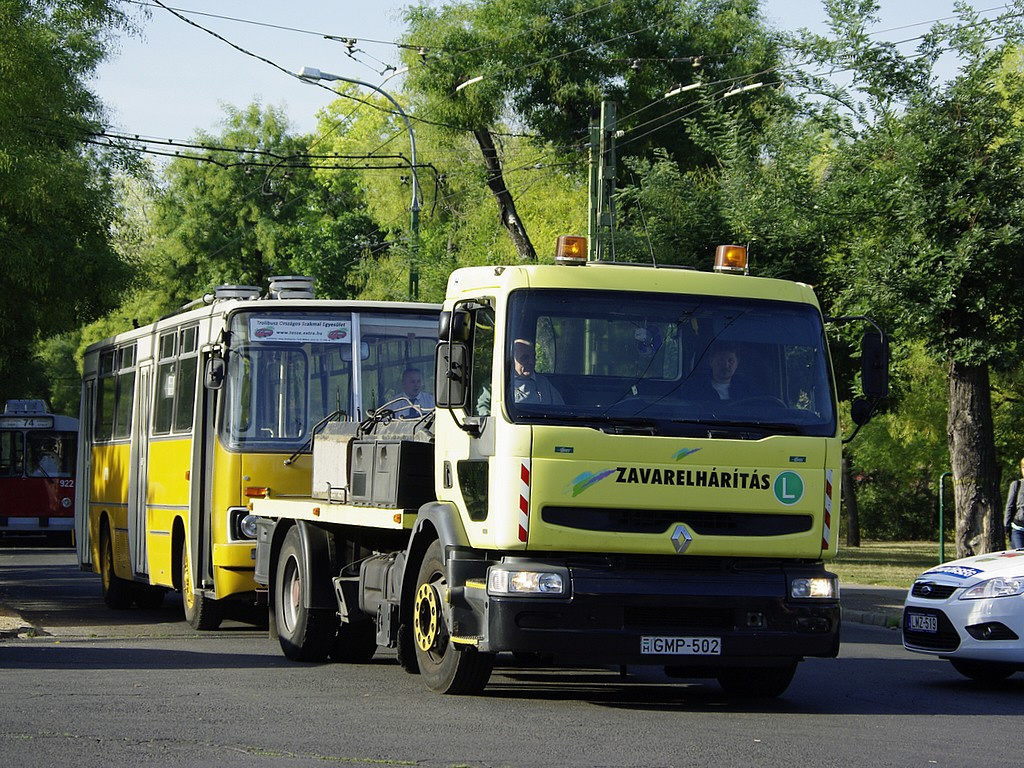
column 446, row 666
column 757, row 682
column 305, row 634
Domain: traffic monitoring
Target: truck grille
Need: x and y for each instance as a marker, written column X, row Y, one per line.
column 640, row 617
column 660, row 520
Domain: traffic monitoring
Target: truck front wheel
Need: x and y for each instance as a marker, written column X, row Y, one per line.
column 446, row 666
column 305, row 634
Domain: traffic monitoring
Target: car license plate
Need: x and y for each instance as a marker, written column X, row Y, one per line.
column 681, row 646
column 922, row 622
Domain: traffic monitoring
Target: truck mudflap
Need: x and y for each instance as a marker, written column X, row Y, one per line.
column 675, row 618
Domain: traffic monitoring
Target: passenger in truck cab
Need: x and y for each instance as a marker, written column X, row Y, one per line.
column 721, row 381
column 528, row 386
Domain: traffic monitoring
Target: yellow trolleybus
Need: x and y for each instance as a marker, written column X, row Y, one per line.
column 184, row 420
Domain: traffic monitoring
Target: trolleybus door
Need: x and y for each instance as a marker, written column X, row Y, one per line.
column 201, row 487
column 138, row 474
column 83, row 480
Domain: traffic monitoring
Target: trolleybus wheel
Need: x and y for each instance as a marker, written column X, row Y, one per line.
column 305, row 634
column 446, row 666
column 201, row 612
column 117, row 592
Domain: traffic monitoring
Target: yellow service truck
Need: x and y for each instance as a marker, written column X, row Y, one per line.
column 625, row 465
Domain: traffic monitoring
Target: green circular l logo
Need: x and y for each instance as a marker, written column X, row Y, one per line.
column 788, row 488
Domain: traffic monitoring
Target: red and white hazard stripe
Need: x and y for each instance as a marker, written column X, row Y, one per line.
column 826, row 533
column 524, row 501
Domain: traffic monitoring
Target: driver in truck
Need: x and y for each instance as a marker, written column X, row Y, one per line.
column 723, row 383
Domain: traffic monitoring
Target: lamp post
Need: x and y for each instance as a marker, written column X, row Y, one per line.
column 312, row 75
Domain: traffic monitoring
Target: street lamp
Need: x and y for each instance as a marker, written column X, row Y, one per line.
column 312, row 75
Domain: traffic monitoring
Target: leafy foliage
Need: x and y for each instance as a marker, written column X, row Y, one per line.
column 57, row 200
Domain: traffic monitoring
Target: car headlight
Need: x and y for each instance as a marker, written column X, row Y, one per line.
column 818, row 587
column 513, row 582
column 997, row 587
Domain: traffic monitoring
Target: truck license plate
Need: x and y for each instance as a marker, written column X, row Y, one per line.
column 922, row 622
column 681, row 646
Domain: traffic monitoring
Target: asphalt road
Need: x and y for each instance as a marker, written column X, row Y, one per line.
column 98, row 688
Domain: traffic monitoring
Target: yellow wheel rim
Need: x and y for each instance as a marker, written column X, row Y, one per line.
column 186, row 584
column 425, row 615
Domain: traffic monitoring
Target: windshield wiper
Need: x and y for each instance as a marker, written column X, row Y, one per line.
column 744, row 429
column 613, row 425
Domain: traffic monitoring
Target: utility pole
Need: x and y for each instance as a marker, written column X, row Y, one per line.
column 601, row 223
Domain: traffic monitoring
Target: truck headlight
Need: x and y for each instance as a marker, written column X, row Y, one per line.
column 515, row 582
column 997, row 587
column 817, row 587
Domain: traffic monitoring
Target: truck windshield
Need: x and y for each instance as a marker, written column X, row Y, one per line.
column 288, row 370
column 668, row 363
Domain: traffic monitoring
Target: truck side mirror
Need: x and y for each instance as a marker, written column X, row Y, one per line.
column 451, row 374
column 874, row 365
column 455, row 325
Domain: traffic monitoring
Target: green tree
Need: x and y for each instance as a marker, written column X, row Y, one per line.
column 930, row 189
column 57, row 199
column 248, row 207
column 457, row 218
column 546, row 66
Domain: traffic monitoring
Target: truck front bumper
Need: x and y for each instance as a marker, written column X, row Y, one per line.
column 689, row 618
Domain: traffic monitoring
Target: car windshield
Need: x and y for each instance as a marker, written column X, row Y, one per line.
column 668, row 363
column 287, row 371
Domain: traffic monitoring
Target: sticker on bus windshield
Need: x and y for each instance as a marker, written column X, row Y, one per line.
column 300, row 330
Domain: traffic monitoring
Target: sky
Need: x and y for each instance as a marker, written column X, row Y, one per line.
column 174, row 78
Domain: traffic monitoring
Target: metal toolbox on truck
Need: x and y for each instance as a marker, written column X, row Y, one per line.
column 392, row 473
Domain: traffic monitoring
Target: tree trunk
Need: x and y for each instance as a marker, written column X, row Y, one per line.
column 506, row 205
column 852, row 511
column 972, row 457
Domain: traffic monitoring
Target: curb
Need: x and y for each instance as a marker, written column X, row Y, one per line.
column 12, row 625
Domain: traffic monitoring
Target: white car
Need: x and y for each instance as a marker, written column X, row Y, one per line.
column 971, row 612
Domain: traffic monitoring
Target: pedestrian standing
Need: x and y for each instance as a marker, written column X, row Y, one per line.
column 1013, row 517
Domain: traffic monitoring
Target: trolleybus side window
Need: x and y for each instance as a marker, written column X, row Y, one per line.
column 177, row 371
column 11, row 459
column 125, row 393
column 116, row 393
column 185, row 387
column 163, row 412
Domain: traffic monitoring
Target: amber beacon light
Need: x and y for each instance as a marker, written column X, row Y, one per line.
column 571, row 249
column 731, row 259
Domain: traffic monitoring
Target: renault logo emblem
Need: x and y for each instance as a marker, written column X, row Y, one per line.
column 681, row 538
